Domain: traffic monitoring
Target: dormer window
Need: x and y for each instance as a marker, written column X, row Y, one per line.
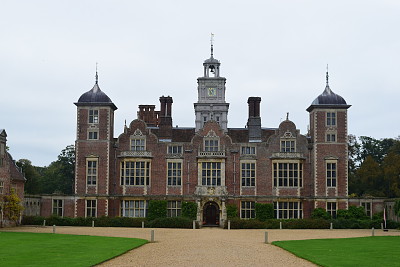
column 138, row 141
column 138, row 144
column 93, row 116
column 211, row 145
column 288, row 146
column 288, row 142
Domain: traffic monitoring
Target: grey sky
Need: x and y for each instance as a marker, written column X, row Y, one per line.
column 277, row 50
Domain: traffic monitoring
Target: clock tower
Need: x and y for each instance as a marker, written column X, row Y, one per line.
column 211, row 103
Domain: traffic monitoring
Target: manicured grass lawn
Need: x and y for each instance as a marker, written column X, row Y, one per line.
column 33, row 249
column 362, row 251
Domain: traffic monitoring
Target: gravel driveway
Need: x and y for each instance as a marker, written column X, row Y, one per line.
column 207, row 246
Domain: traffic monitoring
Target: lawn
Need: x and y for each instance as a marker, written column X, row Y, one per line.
column 362, row 251
column 33, row 249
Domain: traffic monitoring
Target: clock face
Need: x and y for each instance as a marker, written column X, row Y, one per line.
column 212, row 91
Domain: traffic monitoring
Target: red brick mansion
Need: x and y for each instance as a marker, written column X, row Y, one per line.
column 209, row 164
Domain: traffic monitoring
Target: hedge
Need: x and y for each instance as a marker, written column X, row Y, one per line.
column 172, row 222
column 309, row 224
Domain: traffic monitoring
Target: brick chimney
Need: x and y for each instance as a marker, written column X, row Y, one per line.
column 147, row 114
column 165, row 118
column 254, row 120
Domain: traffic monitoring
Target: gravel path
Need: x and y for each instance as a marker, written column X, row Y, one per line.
column 207, row 246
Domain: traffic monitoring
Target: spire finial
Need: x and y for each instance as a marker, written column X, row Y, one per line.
column 287, row 116
column 212, row 44
column 327, row 76
column 97, row 76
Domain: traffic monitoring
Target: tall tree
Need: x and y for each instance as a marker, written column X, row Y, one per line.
column 32, row 175
column 59, row 175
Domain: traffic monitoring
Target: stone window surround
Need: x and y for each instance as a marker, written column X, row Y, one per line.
column 93, row 116
column 146, row 176
column 138, row 208
column 248, row 180
column 331, row 173
column 174, row 208
column 91, row 208
column 331, row 208
column 276, row 177
column 179, row 169
column 288, row 209
column 247, row 210
column 57, row 206
column 91, row 177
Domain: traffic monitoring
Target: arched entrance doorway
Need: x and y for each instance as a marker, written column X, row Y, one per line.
column 211, row 213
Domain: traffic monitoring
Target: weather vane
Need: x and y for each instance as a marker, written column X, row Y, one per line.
column 212, row 44
column 97, row 77
column 327, row 75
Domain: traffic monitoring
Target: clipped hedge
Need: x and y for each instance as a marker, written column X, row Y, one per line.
column 264, row 211
column 81, row 221
column 172, row 222
column 237, row 223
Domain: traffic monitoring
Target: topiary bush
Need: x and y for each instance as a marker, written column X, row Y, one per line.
column 264, row 211
column 189, row 210
column 157, row 209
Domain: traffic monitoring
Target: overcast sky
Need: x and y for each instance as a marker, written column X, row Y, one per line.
column 277, row 50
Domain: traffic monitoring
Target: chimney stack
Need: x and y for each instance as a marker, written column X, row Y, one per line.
column 254, row 120
column 165, row 118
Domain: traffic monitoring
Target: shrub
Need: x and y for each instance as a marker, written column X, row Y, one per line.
column 172, row 222
column 157, row 209
column 320, row 213
column 189, row 210
column 231, row 211
column 264, row 211
column 352, row 213
column 237, row 223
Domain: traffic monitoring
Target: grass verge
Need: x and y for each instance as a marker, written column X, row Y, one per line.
column 34, row 249
column 362, row 251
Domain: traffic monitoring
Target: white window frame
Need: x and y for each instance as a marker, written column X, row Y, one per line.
column 134, row 208
column 331, row 173
column 288, row 177
column 93, row 134
column 174, row 172
column 248, row 150
column 138, row 143
column 211, row 144
column 288, row 145
column 287, row 210
column 93, row 116
column 175, row 149
column 248, row 173
column 129, row 169
column 174, row 208
column 331, row 118
column 90, row 209
column 56, row 207
column 247, row 209
column 92, row 173
column 331, row 208
column 211, row 173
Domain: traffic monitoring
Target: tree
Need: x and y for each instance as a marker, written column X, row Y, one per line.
column 11, row 207
column 59, row 175
column 370, row 178
column 391, row 171
column 32, row 175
